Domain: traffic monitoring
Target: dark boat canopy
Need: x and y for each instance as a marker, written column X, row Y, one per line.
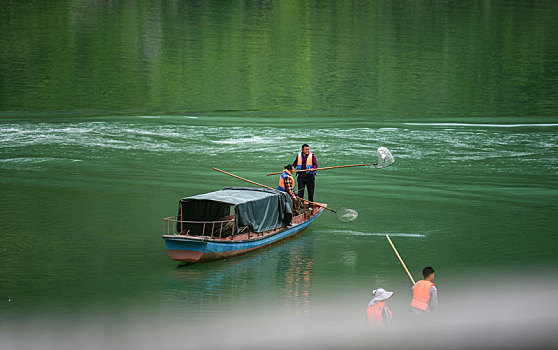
column 260, row 208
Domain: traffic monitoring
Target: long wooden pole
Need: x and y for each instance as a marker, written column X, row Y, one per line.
column 401, row 260
column 328, row 167
column 241, row 178
column 255, row 183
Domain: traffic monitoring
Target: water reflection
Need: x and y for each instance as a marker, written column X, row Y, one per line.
column 378, row 57
column 279, row 276
column 294, row 278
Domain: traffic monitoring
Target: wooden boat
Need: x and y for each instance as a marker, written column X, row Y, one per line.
column 233, row 221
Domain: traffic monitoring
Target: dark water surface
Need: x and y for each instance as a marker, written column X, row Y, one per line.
column 110, row 112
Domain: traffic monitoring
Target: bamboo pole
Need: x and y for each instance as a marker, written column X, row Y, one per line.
column 255, row 183
column 328, row 167
column 318, row 204
column 401, row 260
column 241, row 178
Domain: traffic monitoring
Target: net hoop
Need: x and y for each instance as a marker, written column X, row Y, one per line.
column 385, row 158
column 346, row 214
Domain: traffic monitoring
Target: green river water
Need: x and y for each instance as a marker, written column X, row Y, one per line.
column 111, row 111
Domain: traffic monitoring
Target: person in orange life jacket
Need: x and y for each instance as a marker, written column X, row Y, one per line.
column 287, row 184
column 286, row 181
column 378, row 313
column 425, row 294
column 306, row 160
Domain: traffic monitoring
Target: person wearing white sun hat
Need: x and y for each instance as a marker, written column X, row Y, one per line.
column 377, row 312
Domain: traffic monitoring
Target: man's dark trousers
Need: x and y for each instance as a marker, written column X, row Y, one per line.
column 309, row 182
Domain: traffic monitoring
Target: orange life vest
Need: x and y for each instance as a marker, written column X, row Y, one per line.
column 284, row 175
column 374, row 313
column 309, row 164
column 421, row 295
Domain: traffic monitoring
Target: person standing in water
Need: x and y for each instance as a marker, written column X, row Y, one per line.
column 425, row 294
column 378, row 313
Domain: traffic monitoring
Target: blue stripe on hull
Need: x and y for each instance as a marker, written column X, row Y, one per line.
column 209, row 247
column 195, row 246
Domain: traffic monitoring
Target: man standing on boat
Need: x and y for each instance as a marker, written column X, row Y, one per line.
column 286, row 181
column 286, row 184
column 425, row 294
column 306, row 160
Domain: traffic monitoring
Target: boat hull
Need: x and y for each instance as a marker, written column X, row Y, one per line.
column 197, row 249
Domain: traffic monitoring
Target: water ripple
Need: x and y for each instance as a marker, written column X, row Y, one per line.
column 333, row 145
column 372, row 234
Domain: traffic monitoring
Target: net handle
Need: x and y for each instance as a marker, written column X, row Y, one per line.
column 328, row 167
column 255, row 183
column 347, row 166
